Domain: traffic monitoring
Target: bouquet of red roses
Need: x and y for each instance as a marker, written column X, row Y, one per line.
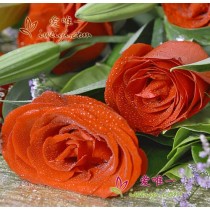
column 103, row 94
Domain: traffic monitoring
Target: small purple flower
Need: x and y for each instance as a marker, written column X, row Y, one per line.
column 37, row 86
column 184, row 203
column 189, row 185
column 204, row 182
column 163, row 203
column 182, row 171
column 201, row 166
column 200, row 177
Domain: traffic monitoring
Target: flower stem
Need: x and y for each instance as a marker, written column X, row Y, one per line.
column 197, row 187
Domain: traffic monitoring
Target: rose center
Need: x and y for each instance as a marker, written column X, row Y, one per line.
column 157, row 88
column 75, row 151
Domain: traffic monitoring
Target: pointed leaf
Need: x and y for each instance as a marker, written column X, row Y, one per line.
column 200, row 66
column 85, row 89
column 181, row 134
column 202, row 117
column 87, row 77
column 19, row 92
column 114, row 55
column 200, row 35
column 174, row 172
column 143, row 35
column 57, row 82
column 180, row 152
column 199, row 122
column 158, row 35
column 167, row 141
column 188, row 141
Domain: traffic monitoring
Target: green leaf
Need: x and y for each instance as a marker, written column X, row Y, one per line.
column 91, row 87
column 200, row 66
column 159, row 139
column 65, row 45
column 202, row 117
column 156, row 154
column 111, row 11
column 199, row 122
column 19, row 92
column 98, row 94
column 114, row 55
column 202, row 128
column 144, row 18
column 71, row 51
column 178, row 155
column 185, row 143
column 87, row 77
column 57, row 82
column 72, row 47
column 183, row 137
column 116, row 191
column 173, row 173
column 181, row 134
column 143, row 35
column 169, row 133
column 29, row 61
column 200, row 35
column 159, row 10
column 158, row 35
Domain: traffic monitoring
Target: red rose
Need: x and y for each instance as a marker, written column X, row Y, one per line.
column 72, row 142
column 59, row 19
column 142, row 89
column 188, row 15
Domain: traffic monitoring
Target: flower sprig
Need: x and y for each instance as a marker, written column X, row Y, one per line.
column 200, row 178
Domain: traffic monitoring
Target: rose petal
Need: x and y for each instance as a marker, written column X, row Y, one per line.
column 184, row 51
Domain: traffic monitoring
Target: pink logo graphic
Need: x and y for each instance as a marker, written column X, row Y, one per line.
column 119, row 186
column 144, row 181
column 158, row 180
